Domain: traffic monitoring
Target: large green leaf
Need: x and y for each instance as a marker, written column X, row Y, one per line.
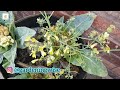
column 75, row 59
column 10, row 19
column 91, row 65
column 61, row 20
column 21, row 34
column 2, row 49
column 81, row 22
column 6, row 63
column 10, row 55
column 12, row 29
column 1, row 58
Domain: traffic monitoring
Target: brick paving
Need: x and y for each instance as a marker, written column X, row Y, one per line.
column 113, row 16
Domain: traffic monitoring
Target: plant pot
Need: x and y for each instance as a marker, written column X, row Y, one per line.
column 31, row 23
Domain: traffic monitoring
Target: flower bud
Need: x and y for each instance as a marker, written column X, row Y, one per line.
column 57, row 52
column 56, row 37
column 93, row 45
column 43, row 53
column 51, row 51
column 66, row 50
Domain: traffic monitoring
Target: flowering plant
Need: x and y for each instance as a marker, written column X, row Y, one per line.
column 61, row 43
column 11, row 38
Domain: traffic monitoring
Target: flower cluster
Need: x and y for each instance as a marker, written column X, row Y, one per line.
column 5, row 38
column 101, row 40
column 56, row 44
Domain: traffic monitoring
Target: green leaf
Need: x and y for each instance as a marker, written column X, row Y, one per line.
column 3, row 50
column 1, row 58
column 10, row 19
column 21, row 34
column 6, row 63
column 12, row 30
column 22, row 76
column 61, row 20
column 10, row 55
column 75, row 60
column 91, row 65
column 81, row 22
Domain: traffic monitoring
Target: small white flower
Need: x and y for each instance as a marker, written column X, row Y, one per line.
column 56, row 37
column 12, row 41
column 72, row 18
column 106, row 35
column 43, row 53
column 52, row 58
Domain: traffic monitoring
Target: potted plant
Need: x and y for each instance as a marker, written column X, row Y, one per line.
column 11, row 38
column 55, row 43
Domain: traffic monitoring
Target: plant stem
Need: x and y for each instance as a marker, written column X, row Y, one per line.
column 47, row 19
column 51, row 14
column 85, row 38
column 112, row 50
